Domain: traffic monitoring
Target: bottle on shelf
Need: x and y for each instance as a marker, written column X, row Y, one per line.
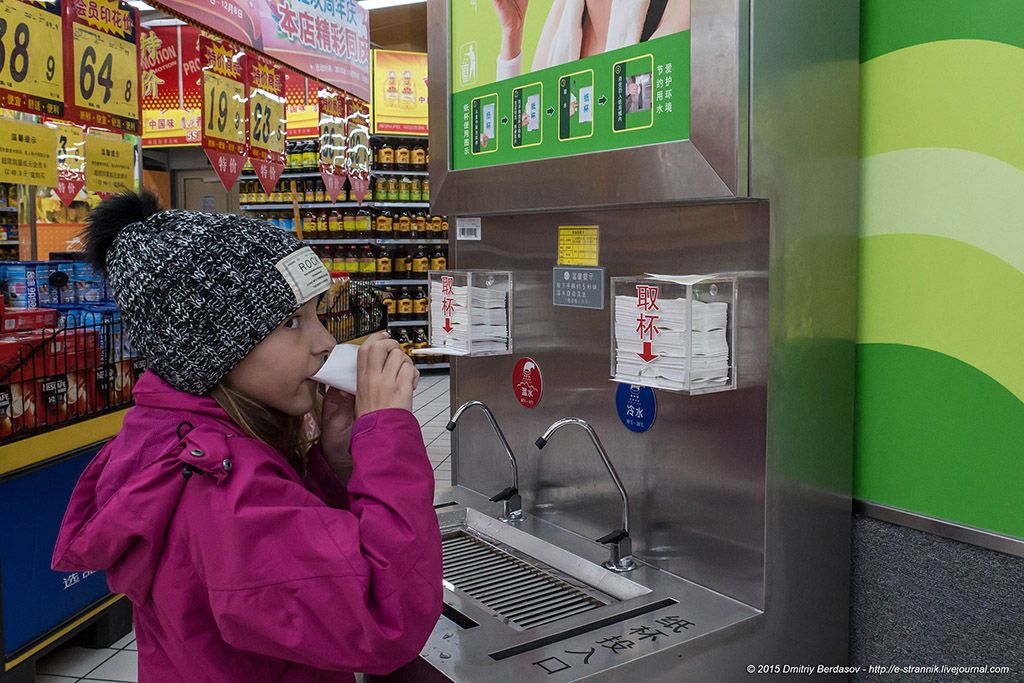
column 425, row 190
column 420, row 304
column 435, row 227
column 403, row 228
column 320, row 194
column 419, row 226
column 308, row 191
column 348, row 224
column 367, row 195
column 444, row 228
column 384, row 226
column 294, row 155
column 379, row 189
column 383, row 264
column 419, row 157
column 322, row 224
column 325, row 256
column 439, row 259
column 367, row 263
column 386, row 157
column 334, row 226
column 392, row 189
column 388, row 299
column 309, row 225
column 401, row 266
column 364, row 226
column 310, row 155
column 404, row 342
column 420, row 263
column 415, row 190
column 402, row 157
column 351, row 261
column 404, row 188
column 405, row 304
column 420, row 341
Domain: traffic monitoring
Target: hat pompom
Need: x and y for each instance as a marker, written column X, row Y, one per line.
column 111, row 217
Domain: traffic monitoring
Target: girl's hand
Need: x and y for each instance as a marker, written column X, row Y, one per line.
column 339, row 414
column 511, row 15
column 386, row 376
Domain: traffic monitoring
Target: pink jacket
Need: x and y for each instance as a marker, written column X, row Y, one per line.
column 245, row 572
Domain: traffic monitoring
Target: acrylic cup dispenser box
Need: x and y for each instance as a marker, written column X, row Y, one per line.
column 675, row 333
column 470, row 312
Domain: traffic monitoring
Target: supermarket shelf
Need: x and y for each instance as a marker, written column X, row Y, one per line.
column 372, row 240
column 338, row 205
column 407, row 323
column 400, row 136
column 379, row 283
column 409, row 173
column 8, row 209
column 8, row 243
column 401, row 205
column 63, row 439
column 249, row 175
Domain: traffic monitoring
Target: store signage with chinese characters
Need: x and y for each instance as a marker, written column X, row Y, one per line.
column 111, row 163
column 32, row 67
column 576, row 287
column 332, row 141
column 172, row 90
column 102, row 37
column 266, row 129
column 326, row 39
column 223, row 108
column 400, row 92
column 28, row 153
column 527, row 383
column 70, row 160
column 647, row 329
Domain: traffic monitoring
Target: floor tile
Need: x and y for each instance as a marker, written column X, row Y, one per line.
column 124, row 642
column 46, row 678
column 124, row 666
column 73, row 661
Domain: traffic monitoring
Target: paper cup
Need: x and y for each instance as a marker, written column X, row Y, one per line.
column 339, row 371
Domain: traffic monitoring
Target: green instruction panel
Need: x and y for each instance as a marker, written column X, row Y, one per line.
column 628, row 97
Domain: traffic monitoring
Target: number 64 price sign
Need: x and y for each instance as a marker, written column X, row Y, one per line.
column 267, row 122
column 101, row 42
column 224, row 119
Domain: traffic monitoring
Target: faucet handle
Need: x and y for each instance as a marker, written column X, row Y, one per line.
column 613, row 537
column 504, row 494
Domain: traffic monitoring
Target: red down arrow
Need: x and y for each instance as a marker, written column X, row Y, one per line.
column 647, row 355
column 448, row 325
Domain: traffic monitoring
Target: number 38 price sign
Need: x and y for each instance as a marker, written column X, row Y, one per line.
column 31, row 63
column 267, row 120
column 223, row 107
column 103, row 39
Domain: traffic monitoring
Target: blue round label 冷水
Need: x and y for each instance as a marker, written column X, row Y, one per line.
column 636, row 406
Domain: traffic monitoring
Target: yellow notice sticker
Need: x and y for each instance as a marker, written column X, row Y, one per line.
column 110, row 164
column 28, row 154
column 578, row 245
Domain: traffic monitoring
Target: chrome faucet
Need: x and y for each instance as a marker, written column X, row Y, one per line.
column 618, row 541
column 509, row 496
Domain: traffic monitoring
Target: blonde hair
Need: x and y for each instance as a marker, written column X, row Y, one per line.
column 288, row 434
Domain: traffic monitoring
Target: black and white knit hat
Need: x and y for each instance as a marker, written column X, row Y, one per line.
column 198, row 291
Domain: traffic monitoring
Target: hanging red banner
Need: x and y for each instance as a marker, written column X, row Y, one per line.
column 331, row 104
column 224, row 107
column 101, row 46
column 267, row 120
column 172, row 90
column 70, row 161
column 303, row 117
column 357, row 147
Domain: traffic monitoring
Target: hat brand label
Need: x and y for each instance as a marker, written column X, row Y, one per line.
column 305, row 274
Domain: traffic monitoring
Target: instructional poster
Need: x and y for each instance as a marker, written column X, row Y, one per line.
column 549, row 78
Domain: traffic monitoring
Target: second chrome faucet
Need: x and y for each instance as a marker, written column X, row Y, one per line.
column 509, row 496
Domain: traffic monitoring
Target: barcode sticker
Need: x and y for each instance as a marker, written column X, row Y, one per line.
column 467, row 228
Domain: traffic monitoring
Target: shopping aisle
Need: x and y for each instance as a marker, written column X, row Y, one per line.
column 120, row 663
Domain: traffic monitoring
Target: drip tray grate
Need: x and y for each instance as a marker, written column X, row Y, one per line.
column 525, row 595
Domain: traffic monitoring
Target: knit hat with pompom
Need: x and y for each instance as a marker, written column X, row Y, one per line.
column 198, row 291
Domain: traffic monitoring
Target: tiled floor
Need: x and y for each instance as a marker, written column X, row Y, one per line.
column 120, row 663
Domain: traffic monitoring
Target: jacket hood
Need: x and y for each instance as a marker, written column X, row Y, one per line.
column 123, row 504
